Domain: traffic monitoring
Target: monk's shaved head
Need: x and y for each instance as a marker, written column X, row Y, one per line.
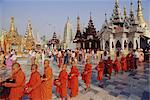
column 46, row 60
column 16, row 65
column 34, row 66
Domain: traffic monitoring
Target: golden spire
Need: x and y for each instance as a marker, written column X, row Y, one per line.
column 12, row 25
column 29, row 29
column 140, row 14
column 78, row 23
column 125, row 13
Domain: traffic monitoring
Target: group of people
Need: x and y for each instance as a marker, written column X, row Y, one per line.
column 40, row 86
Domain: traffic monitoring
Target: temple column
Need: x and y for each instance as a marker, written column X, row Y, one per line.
column 90, row 45
column 103, row 43
column 122, row 44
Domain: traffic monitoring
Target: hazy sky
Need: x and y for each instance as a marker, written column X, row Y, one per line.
column 47, row 14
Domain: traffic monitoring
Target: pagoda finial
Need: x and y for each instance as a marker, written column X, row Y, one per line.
column 131, row 10
column 54, row 35
column 29, row 28
column 90, row 15
column 140, row 14
column 12, row 25
column 78, row 23
column 125, row 13
column 105, row 17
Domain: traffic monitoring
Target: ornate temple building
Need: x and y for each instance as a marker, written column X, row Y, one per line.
column 123, row 32
column 68, row 36
column 12, row 40
column 89, row 38
column 54, row 42
column 29, row 42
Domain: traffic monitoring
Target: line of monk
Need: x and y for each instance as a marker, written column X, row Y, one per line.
column 40, row 87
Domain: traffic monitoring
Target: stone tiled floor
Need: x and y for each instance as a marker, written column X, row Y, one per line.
column 128, row 86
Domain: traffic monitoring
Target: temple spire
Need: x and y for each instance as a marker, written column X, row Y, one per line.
column 116, row 12
column 12, row 25
column 30, row 29
column 78, row 23
column 140, row 14
column 125, row 12
column 131, row 11
column 105, row 18
column 90, row 15
column 54, row 35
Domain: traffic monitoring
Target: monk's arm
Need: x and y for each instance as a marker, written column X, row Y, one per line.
column 19, row 81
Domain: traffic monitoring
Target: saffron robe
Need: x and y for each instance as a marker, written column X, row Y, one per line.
column 46, row 86
column 73, row 81
column 17, row 88
column 34, row 83
column 63, row 78
column 123, row 63
column 100, row 69
column 87, row 73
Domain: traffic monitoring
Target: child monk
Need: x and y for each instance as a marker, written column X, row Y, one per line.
column 47, row 81
column 109, row 66
column 123, row 63
column 100, row 69
column 73, row 80
column 116, row 66
column 87, row 74
column 33, row 86
column 62, row 85
column 17, row 88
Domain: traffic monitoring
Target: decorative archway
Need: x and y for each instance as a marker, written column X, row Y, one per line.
column 118, row 44
column 106, row 45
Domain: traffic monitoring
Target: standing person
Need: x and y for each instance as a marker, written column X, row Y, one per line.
column 43, row 56
column 66, row 57
column 46, row 86
column 105, row 58
column 130, row 61
column 17, row 88
column 14, row 57
column 136, row 58
column 59, row 59
column 33, row 86
column 9, row 61
column 73, row 80
column 141, row 56
column 100, row 69
column 63, row 79
column 109, row 66
column 116, row 66
column 123, row 63
column 87, row 74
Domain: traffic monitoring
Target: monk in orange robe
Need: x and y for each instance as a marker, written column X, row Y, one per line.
column 109, row 66
column 100, row 69
column 116, row 66
column 63, row 79
column 87, row 74
column 17, row 88
column 33, row 86
column 73, row 80
column 130, row 61
column 47, row 81
column 123, row 63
